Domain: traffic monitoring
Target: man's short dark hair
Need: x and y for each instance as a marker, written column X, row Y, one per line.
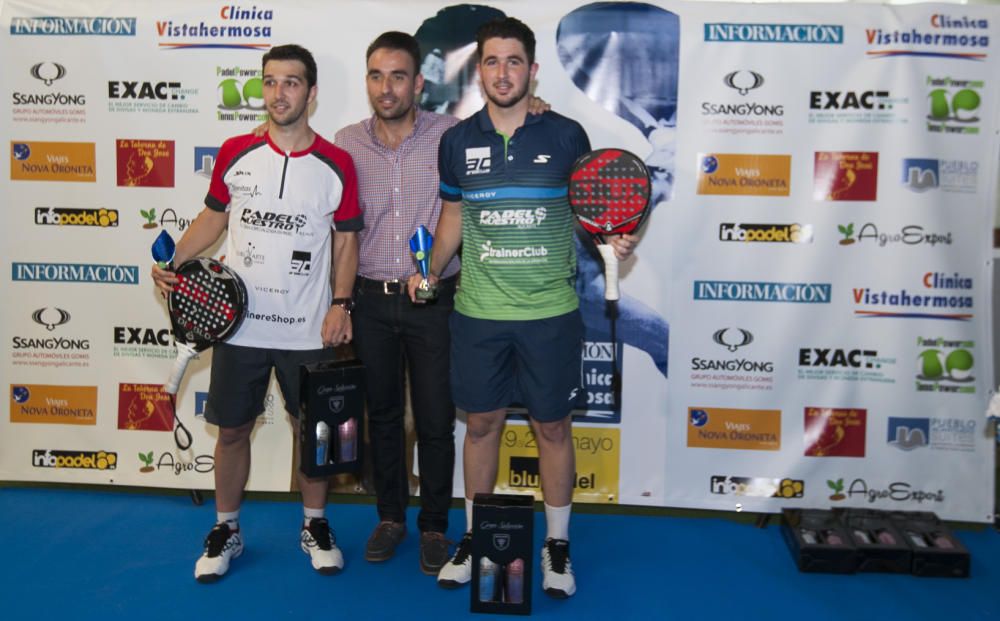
column 506, row 28
column 395, row 40
column 294, row 52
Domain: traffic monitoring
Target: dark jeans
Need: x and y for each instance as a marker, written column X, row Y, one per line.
column 391, row 333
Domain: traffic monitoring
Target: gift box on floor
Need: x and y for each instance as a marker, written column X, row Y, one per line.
column 818, row 541
column 331, row 417
column 936, row 551
column 881, row 547
column 502, row 542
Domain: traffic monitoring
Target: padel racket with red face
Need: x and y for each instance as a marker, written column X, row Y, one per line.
column 609, row 192
column 206, row 307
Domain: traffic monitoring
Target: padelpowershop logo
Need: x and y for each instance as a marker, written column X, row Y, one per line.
column 74, row 460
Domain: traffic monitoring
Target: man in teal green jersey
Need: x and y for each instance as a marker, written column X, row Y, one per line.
column 516, row 330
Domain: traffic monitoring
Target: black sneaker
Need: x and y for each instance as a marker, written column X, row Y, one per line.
column 319, row 542
column 458, row 570
column 382, row 544
column 222, row 545
column 557, row 571
column 433, row 552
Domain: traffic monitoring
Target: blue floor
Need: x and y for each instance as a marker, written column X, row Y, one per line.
column 130, row 556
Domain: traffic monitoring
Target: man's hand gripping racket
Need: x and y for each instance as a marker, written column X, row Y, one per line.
column 609, row 192
column 206, row 306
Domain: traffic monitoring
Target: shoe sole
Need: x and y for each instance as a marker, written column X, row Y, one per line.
column 430, row 570
column 557, row 593
column 328, row 571
column 450, row 584
column 208, row 578
column 379, row 558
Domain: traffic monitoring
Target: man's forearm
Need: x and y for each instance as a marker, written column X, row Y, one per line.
column 447, row 236
column 345, row 263
column 202, row 233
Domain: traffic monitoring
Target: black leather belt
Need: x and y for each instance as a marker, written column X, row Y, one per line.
column 395, row 287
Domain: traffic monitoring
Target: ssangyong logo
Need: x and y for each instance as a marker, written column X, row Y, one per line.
column 51, row 318
column 733, row 338
column 74, row 460
column 73, row 26
column 75, row 272
column 50, row 104
column 743, row 81
column 774, row 33
column 745, row 115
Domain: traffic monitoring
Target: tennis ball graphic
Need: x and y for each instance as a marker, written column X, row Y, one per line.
column 253, row 93
column 229, row 94
column 965, row 103
column 959, row 364
column 930, row 364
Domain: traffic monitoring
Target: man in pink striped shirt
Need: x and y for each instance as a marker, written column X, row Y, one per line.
column 395, row 153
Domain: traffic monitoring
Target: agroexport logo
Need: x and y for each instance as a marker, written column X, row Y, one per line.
column 948, row 291
column 835, row 432
column 234, row 27
column 65, row 405
column 744, row 291
column 201, row 464
column 70, row 26
column 845, row 176
column 942, row 36
column 75, row 272
column 727, row 428
column 908, row 235
column 923, row 174
column 53, row 161
column 145, row 163
column 946, row 366
column 899, row 491
column 74, row 460
column 774, row 33
column 731, row 174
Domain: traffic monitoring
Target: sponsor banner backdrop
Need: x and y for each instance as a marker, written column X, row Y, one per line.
column 824, row 182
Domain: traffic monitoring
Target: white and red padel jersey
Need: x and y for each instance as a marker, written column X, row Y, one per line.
column 282, row 210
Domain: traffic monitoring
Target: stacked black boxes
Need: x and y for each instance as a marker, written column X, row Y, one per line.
column 331, row 417
column 501, row 553
column 868, row 540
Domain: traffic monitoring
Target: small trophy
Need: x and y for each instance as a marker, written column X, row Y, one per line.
column 420, row 245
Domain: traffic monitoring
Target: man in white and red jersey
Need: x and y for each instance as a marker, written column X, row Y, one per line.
column 285, row 197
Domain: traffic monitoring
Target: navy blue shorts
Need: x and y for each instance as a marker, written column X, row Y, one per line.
column 240, row 376
column 535, row 363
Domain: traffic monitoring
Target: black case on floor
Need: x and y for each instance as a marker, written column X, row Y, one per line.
column 881, row 547
column 331, row 404
column 502, row 532
column 818, row 541
column 936, row 551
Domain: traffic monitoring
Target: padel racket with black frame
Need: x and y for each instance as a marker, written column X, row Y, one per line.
column 206, row 307
column 609, row 192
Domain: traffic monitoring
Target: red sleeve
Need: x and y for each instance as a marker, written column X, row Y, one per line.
column 348, row 215
column 231, row 150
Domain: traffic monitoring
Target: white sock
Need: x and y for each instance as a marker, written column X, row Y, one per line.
column 230, row 518
column 313, row 514
column 468, row 515
column 557, row 521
